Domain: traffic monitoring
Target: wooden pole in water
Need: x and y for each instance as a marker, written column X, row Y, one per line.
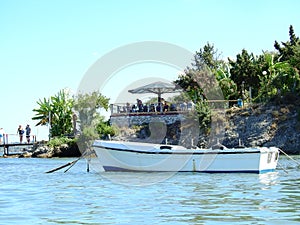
column 88, row 165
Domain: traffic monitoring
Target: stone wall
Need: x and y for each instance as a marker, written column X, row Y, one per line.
column 128, row 120
column 172, row 127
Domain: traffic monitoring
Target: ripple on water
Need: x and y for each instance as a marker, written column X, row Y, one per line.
column 77, row 197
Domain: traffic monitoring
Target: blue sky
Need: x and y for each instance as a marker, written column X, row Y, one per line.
column 46, row 46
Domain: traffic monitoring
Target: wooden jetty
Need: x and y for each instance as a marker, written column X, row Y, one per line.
column 6, row 148
column 9, row 148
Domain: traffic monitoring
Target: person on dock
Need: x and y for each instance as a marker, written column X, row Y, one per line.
column 28, row 131
column 20, row 131
column 1, row 134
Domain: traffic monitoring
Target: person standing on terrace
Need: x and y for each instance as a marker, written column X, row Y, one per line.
column 166, row 107
column 140, row 105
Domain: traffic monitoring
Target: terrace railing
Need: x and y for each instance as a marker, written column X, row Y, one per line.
column 126, row 108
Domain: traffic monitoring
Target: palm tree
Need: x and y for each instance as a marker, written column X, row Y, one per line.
column 56, row 112
column 43, row 112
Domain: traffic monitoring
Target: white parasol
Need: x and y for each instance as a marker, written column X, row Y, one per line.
column 158, row 88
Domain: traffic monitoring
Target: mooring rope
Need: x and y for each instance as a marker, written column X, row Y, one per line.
column 71, row 164
column 289, row 157
column 281, row 167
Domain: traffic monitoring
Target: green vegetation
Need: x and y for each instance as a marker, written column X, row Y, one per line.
column 92, row 124
column 61, row 140
column 252, row 78
column 104, row 128
column 87, row 106
column 269, row 75
column 56, row 112
column 61, row 112
column 262, row 78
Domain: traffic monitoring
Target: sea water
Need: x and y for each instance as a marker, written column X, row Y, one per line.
column 28, row 195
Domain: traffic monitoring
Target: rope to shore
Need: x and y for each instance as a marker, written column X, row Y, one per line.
column 295, row 161
column 71, row 164
column 63, row 166
column 281, row 167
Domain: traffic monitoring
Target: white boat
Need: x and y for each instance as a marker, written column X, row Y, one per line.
column 136, row 156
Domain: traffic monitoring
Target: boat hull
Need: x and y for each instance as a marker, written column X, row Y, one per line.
column 132, row 156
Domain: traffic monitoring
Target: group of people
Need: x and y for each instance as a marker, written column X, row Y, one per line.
column 21, row 132
column 162, row 106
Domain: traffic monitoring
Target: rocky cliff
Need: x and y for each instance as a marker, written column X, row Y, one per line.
column 274, row 124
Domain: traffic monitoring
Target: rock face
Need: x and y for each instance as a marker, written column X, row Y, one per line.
column 40, row 150
column 264, row 125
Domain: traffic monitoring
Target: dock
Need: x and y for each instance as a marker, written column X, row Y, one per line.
column 17, row 148
column 11, row 148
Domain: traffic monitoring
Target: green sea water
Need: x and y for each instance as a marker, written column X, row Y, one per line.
column 30, row 196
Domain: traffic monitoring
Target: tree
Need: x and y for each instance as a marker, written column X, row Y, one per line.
column 92, row 125
column 227, row 85
column 43, row 112
column 201, row 84
column 199, row 80
column 295, row 59
column 208, row 57
column 62, row 114
column 244, row 72
column 56, row 112
column 289, row 50
column 87, row 106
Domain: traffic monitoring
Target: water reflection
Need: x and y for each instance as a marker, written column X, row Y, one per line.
column 268, row 179
column 275, row 198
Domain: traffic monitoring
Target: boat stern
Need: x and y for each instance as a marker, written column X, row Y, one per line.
column 269, row 159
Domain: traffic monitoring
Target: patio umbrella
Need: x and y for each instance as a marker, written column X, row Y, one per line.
column 158, row 88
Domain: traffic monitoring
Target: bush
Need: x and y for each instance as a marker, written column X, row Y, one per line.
column 104, row 129
column 58, row 141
